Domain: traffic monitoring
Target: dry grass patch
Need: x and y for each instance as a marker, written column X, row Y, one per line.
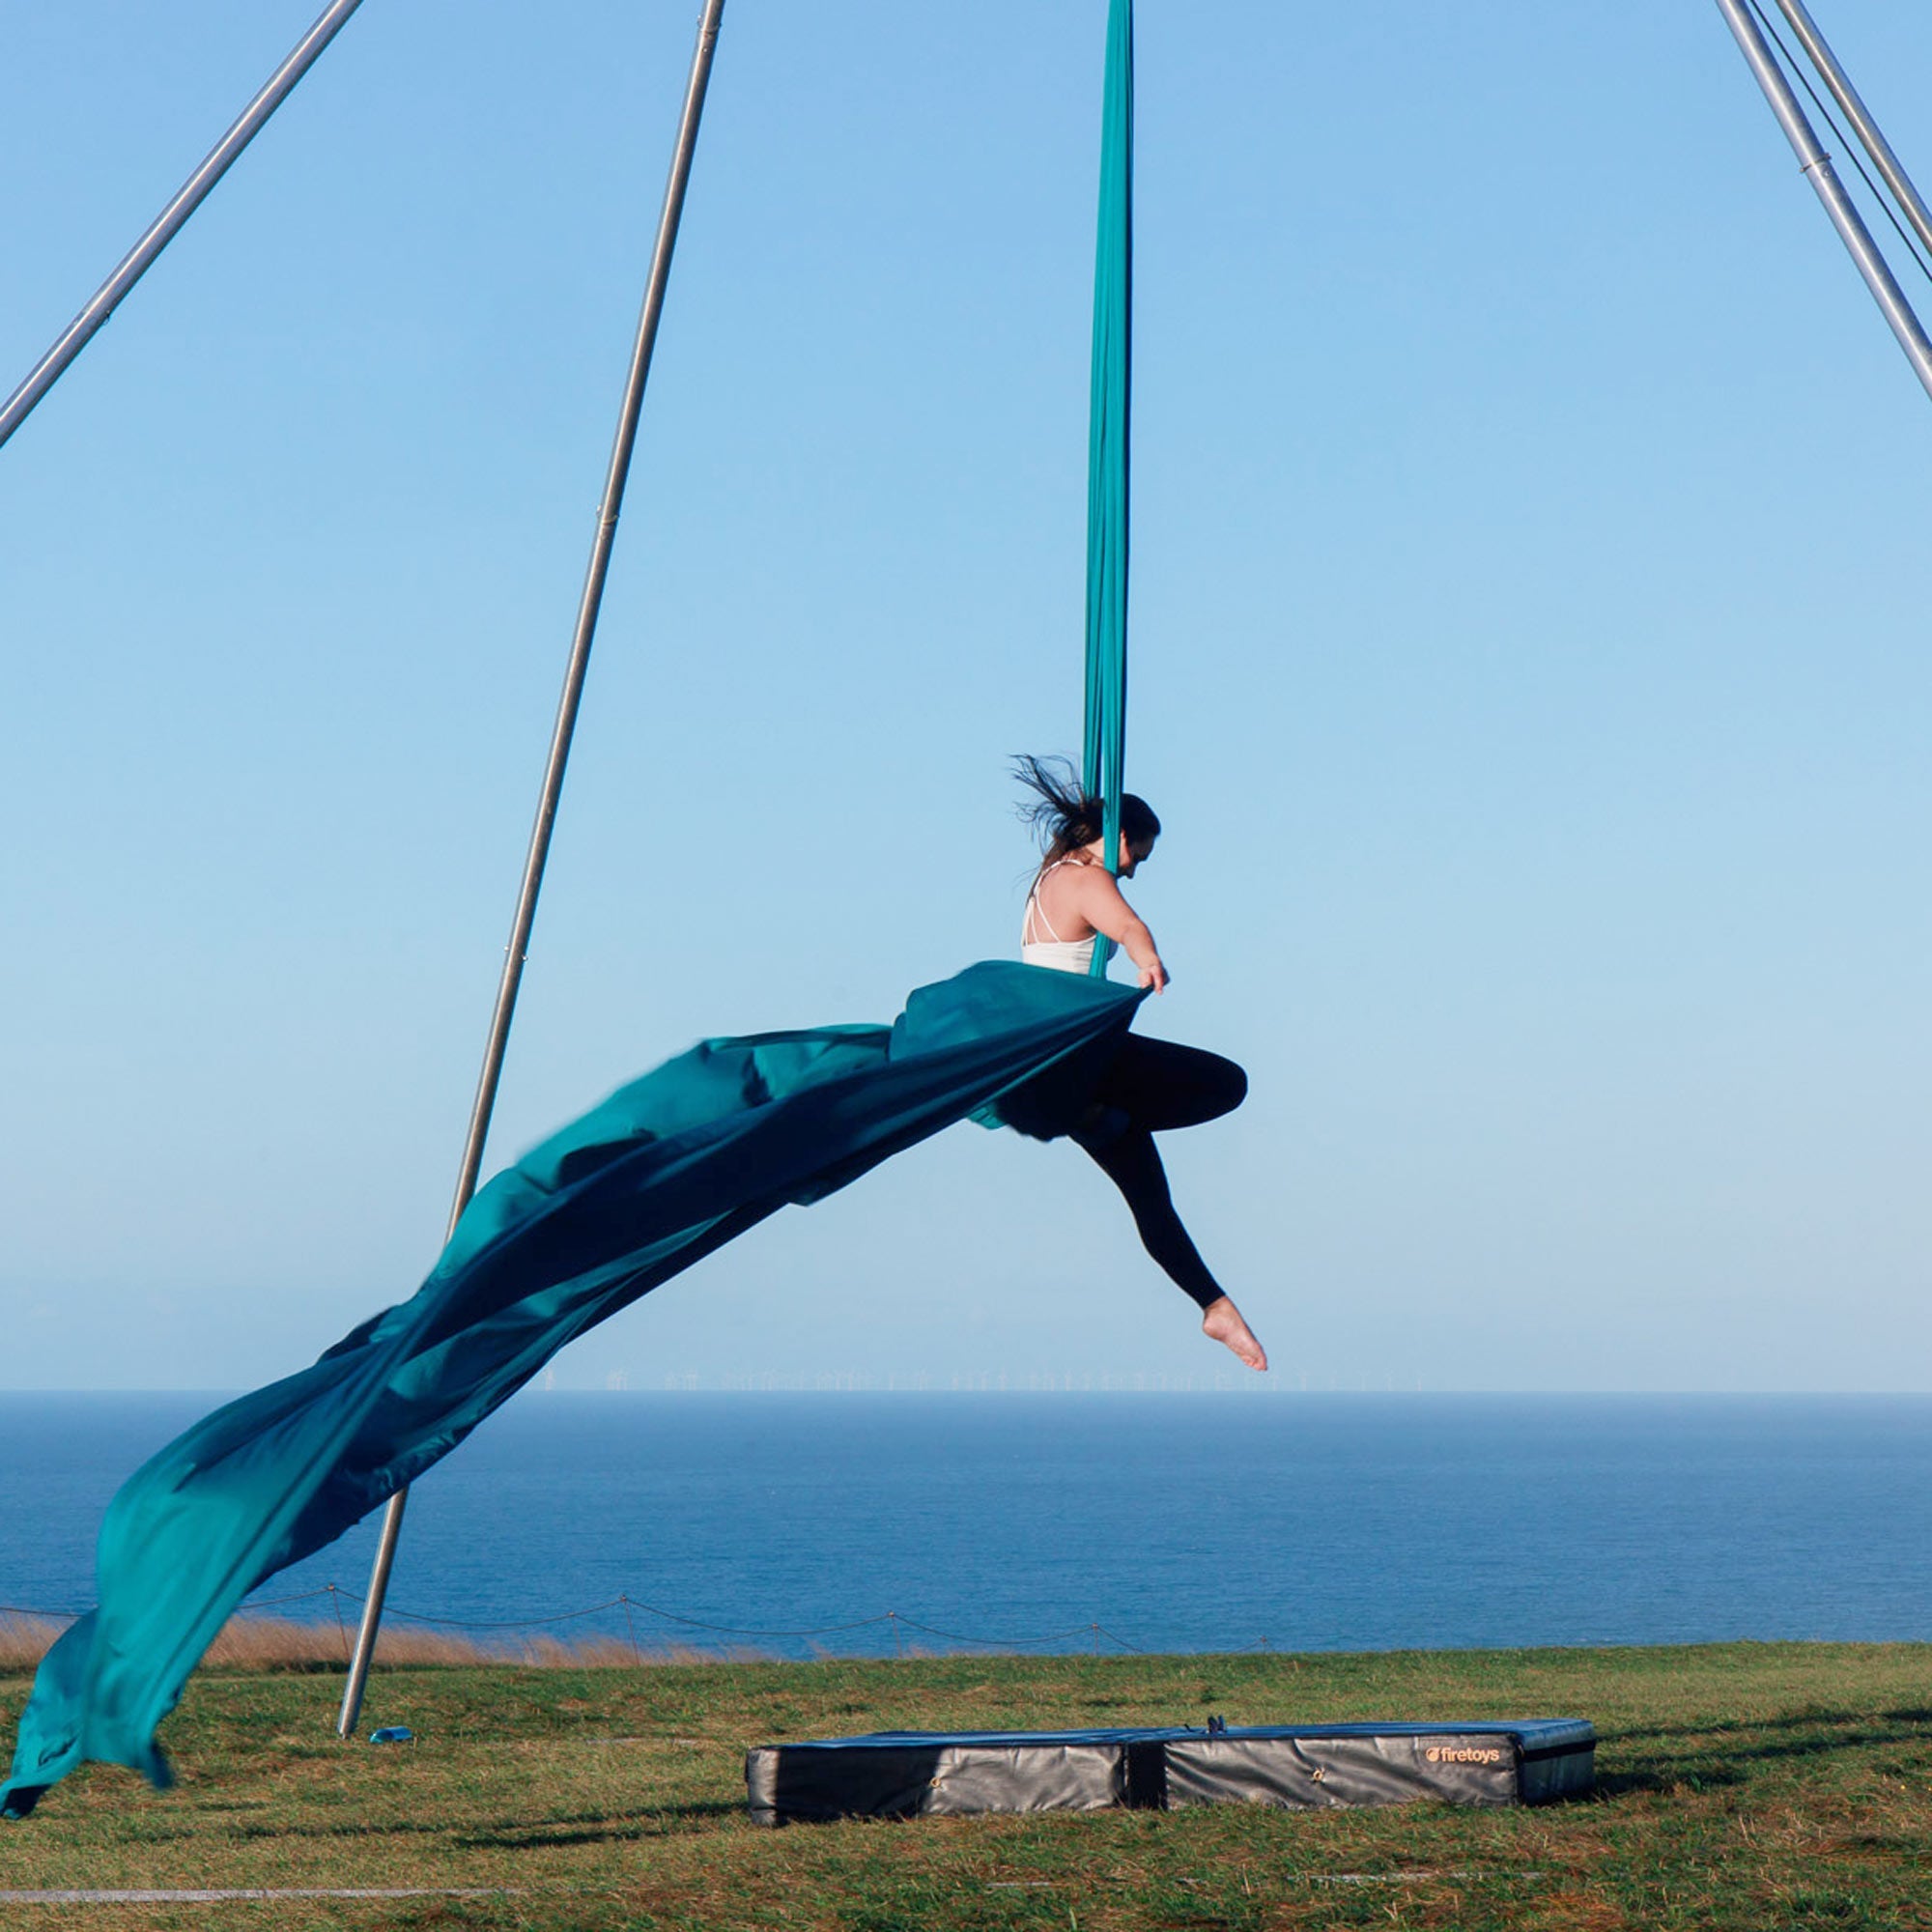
column 281, row 1643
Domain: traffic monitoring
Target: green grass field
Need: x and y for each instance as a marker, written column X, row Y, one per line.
column 1740, row 1786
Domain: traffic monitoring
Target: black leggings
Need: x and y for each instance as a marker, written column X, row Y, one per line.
column 1150, row 1087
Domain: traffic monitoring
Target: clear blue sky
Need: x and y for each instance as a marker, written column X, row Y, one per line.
column 1531, row 666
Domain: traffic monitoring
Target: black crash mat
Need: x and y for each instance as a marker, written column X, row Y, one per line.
column 932, row 1774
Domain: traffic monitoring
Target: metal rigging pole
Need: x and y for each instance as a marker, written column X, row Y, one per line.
column 46, row 372
column 1869, row 131
column 560, row 753
column 1817, row 167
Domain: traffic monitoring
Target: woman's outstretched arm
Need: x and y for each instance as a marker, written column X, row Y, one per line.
column 1091, row 892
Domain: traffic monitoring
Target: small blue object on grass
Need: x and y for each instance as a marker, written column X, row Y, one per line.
column 393, row 1734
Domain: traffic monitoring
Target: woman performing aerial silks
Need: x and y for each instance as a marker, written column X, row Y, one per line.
column 1148, row 1085
column 670, row 1168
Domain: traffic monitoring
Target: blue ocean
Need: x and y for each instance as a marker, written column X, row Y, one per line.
column 799, row 1524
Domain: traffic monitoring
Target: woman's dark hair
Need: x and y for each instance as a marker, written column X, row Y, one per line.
column 1065, row 818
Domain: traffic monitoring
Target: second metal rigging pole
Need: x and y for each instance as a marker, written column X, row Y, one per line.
column 560, row 753
column 189, row 196
column 1869, row 131
column 1817, row 167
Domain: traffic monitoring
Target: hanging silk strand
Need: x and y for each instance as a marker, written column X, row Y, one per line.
column 1104, row 759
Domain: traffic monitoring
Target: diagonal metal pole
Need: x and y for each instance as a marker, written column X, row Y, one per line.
column 560, row 753
column 1817, row 167
column 46, row 372
column 1869, row 131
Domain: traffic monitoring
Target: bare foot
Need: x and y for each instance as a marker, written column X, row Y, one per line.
column 1223, row 1323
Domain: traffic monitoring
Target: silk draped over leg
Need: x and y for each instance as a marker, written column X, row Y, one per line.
column 664, row 1171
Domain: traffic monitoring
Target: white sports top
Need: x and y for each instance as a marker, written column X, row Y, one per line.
column 1065, row 956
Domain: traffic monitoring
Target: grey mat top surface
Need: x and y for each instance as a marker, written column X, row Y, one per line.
column 1533, row 1734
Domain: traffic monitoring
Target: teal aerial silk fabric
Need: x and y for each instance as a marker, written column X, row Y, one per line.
column 1103, row 761
column 666, row 1170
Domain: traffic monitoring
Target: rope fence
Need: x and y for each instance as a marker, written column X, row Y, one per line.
column 1091, row 1635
